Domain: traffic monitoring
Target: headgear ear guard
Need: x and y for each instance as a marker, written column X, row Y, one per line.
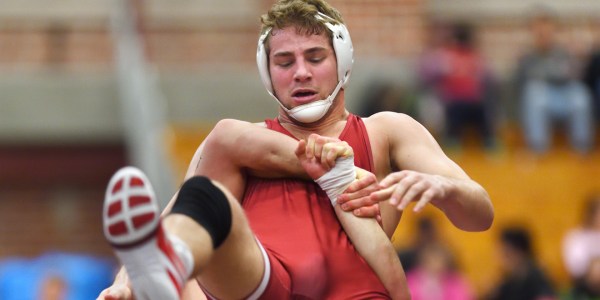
column 342, row 45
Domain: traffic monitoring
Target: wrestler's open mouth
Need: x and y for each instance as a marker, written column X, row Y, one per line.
column 302, row 94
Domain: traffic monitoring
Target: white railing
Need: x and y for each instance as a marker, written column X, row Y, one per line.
column 143, row 108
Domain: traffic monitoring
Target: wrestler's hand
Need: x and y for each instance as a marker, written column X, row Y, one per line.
column 116, row 292
column 404, row 187
column 357, row 198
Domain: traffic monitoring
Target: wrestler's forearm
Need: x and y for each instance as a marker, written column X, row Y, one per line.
column 468, row 206
column 374, row 246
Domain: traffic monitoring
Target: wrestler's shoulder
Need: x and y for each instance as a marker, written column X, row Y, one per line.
column 388, row 120
column 231, row 123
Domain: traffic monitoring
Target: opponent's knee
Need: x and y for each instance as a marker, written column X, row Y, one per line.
column 206, row 204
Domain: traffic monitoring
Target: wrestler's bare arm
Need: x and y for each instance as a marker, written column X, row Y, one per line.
column 429, row 176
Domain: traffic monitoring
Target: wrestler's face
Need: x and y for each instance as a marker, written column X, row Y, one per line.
column 303, row 67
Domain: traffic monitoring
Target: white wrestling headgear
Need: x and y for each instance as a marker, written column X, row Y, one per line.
column 342, row 45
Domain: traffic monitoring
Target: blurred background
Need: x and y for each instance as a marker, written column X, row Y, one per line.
column 509, row 88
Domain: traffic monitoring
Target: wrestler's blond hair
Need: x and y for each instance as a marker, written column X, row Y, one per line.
column 299, row 14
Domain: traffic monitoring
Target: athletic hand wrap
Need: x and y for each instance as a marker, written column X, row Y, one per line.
column 337, row 180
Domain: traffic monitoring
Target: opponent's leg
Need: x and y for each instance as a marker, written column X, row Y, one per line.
column 231, row 265
column 132, row 225
column 160, row 255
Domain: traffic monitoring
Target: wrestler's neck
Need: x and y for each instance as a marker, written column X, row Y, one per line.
column 331, row 124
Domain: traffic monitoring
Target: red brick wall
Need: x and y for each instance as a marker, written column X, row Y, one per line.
column 58, row 47
column 379, row 28
column 51, row 197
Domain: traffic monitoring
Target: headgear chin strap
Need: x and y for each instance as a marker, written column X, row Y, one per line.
column 342, row 45
column 314, row 111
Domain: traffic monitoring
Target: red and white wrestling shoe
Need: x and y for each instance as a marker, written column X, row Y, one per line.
column 132, row 225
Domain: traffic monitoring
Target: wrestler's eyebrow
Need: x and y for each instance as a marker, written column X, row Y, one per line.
column 315, row 50
column 283, row 54
column 307, row 51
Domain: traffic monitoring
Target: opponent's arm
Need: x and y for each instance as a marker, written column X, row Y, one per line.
column 429, row 176
column 332, row 167
column 259, row 151
column 208, row 160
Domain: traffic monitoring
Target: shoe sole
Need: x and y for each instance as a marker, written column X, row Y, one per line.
column 132, row 225
column 130, row 214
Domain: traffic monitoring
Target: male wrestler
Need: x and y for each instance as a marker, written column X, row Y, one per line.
column 300, row 65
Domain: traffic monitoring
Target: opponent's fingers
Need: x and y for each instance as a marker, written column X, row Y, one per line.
column 426, row 197
column 310, row 145
column 328, row 155
column 393, row 178
column 344, row 149
column 320, row 141
column 326, row 164
column 371, row 211
column 316, row 143
column 333, row 150
column 300, row 148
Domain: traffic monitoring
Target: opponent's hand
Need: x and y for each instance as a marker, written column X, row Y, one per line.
column 317, row 156
column 116, row 292
column 357, row 198
column 326, row 149
column 404, row 187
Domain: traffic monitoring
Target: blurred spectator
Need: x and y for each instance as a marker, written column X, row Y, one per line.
column 582, row 244
column 426, row 234
column 522, row 279
column 550, row 91
column 54, row 276
column 588, row 286
column 592, row 79
column 460, row 76
column 436, row 277
column 382, row 95
column 430, row 109
column 53, row 287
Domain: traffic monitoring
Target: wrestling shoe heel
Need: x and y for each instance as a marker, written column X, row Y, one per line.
column 132, row 225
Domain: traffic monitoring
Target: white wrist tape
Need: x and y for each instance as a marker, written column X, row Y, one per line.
column 337, row 180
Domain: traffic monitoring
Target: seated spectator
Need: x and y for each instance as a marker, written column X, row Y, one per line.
column 581, row 244
column 588, row 286
column 426, row 234
column 522, row 278
column 592, row 79
column 550, row 90
column 463, row 83
column 386, row 95
column 430, row 109
column 436, row 277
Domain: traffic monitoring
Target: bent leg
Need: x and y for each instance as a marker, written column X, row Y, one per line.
column 228, row 261
column 207, row 235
